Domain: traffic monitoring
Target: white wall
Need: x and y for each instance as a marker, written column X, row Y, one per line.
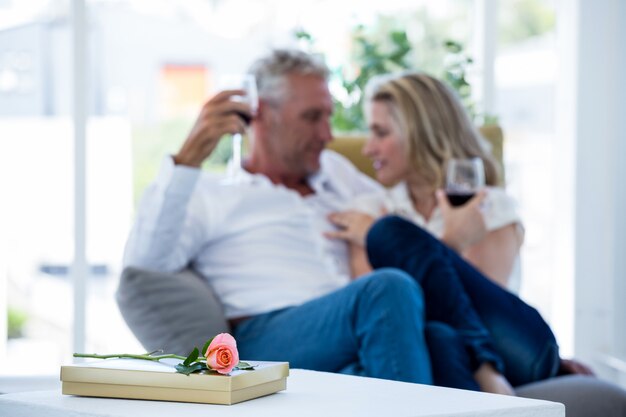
column 593, row 117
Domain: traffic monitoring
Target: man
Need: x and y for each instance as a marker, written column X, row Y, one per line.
column 257, row 237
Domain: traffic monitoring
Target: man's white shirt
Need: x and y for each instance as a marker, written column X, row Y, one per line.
column 260, row 245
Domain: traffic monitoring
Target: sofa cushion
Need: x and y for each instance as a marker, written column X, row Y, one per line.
column 582, row 395
column 351, row 146
column 173, row 312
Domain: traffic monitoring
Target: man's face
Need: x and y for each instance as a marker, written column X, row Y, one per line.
column 299, row 126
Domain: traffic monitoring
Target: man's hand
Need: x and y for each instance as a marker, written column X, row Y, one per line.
column 217, row 118
column 353, row 226
column 464, row 225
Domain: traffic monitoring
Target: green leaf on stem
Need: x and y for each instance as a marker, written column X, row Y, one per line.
column 206, row 346
column 192, row 357
column 189, row 369
column 244, row 366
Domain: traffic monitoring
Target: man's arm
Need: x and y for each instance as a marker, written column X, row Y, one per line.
column 218, row 117
column 171, row 224
column 166, row 230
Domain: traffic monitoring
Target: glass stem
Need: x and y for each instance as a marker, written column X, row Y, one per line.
column 237, row 142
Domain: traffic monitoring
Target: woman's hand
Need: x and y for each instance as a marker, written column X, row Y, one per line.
column 464, row 225
column 353, row 226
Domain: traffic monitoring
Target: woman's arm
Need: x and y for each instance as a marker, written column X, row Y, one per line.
column 492, row 252
column 464, row 226
column 495, row 254
column 353, row 227
column 359, row 264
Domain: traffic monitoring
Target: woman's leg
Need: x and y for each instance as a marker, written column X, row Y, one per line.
column 376, row 321
column 393, row 242
column 449, row 359
column 459, row 295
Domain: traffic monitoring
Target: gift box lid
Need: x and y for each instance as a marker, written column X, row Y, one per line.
column 137, row 372
column 146, row 380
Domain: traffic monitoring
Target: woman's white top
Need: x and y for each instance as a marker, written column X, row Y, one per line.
column 499, row 210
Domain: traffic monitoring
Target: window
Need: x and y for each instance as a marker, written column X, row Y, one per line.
column 526, row 76
column 35, row 177
column 150, row 66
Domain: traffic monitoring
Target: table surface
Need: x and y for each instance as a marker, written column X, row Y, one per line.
column 308, row 393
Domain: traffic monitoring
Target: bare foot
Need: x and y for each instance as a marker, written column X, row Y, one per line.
column 572, row 366
column 492, row 381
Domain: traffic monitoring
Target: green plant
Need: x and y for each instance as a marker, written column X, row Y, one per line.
column 386, row 48
column 17, row 320
column 456, row 65
column 150, row 143
column 455, row 74
column 372, row 59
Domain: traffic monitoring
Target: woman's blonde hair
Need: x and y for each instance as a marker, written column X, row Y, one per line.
column 436, row 125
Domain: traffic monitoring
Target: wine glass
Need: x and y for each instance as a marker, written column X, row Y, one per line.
column 247, row 83
column 464, row 178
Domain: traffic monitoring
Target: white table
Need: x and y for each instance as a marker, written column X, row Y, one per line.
column 308, row 394
column 21, row 383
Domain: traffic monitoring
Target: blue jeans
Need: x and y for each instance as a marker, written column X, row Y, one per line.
column 376, row 322
column 450, row 361
column 490, row 321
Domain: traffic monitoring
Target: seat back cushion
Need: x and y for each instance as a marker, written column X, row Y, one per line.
column 173, row 312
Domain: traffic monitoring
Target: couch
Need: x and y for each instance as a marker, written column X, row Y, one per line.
column 178, row 311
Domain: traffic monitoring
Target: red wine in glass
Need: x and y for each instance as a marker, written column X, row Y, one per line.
column 246, row 117
column 247, row 84
column 464, row 178
column 459, row 198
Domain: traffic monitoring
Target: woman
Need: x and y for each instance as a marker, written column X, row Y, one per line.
column 417, row 125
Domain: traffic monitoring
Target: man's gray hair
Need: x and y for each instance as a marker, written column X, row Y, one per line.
column 271, row 71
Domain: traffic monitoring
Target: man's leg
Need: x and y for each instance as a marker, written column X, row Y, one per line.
column 449, row 359
column 455, row 291
column 376, row 321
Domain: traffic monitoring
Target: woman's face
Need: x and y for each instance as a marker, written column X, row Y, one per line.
column 385, row 145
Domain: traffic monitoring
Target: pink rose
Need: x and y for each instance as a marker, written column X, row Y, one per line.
column 222, row 355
